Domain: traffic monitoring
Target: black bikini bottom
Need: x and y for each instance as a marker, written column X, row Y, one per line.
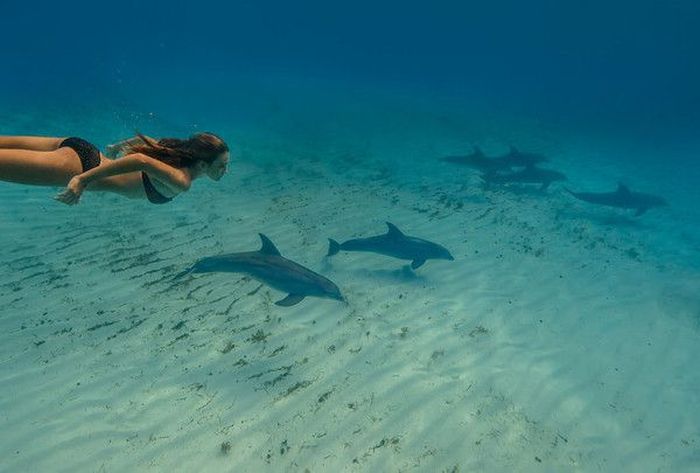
column 87, row 152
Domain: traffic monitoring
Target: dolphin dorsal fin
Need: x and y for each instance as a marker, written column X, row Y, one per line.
column 622, row 189
column 477, row 151
column 268, row 247
column 393, row 230
column 513, row 150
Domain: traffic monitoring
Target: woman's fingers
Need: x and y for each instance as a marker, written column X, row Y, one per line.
column 68, row 197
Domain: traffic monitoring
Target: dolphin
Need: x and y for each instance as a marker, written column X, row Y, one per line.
column 268, row 266
column 517, row 158
column 514, row 158
column 528, row 175
column 479, row 161
column 394, row 243
column 622, row 198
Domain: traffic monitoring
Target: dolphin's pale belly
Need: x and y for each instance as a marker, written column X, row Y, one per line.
column 408, row 249
column 277, row 272
column 372, row 245
column 284, row 280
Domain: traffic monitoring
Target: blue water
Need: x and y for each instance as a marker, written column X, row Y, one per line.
column 564, row 334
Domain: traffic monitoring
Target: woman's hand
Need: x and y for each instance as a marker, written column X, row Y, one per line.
column 71, row 194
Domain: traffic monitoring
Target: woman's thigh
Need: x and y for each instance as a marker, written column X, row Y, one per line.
column 42, row 168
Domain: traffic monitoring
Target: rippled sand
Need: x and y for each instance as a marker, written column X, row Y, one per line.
column 562, row 338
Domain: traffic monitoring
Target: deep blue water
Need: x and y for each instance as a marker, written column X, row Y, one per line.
column 629, row 66
column 618, row 79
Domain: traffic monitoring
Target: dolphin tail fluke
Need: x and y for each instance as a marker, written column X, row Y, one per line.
column 333, row 247
column 184, row 273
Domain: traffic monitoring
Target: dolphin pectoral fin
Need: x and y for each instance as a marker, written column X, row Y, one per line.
column 417, row 263
column 640, row 211
column 290, row 300
column 545, row 185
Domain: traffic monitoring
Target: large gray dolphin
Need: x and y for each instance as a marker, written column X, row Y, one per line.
column 394, row 243
column 528, row 175
column 268, row 266
column 622, row 198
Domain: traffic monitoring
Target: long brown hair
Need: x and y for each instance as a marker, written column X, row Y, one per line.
column 181, row 153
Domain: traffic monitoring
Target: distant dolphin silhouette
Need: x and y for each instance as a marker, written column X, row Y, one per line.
column 394, row 243
column 528, row 175
column 479, row 161
column 622, row 198
column 268, row 266
column 517, row 158
column 513, row 159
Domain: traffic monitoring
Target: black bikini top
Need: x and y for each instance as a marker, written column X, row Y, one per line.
column 152, row 193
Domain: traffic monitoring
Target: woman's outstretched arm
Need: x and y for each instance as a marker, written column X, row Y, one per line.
column 178, row 180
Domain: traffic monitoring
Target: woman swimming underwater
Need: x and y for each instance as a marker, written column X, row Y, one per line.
column 157, row 170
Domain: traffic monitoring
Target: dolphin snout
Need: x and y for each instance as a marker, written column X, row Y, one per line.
column 339, row 297
column 447, row 255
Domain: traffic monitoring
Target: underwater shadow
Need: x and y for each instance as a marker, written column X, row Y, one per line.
column 520, row 191
column 402, row 274
column 604, row 218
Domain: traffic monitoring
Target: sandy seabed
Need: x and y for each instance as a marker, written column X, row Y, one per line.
column 562, row 338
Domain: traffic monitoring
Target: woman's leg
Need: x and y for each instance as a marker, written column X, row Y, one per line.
column 34, row 143
column 41, row 168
